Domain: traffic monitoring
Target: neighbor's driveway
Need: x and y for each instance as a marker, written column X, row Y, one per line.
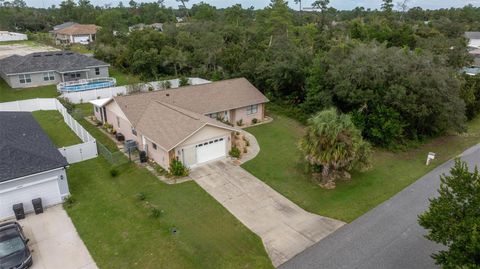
column 55, row 242
column 386, row 237
column 284, row 228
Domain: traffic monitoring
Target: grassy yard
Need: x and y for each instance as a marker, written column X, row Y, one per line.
column 279, row 165
column 119, row 231
column 58, row 131
column 8, row 94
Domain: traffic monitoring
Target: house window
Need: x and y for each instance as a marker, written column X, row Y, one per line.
column 97, row 71
column 134, row 132
column 118, row 122
column 25, row 78
column 252, row 109
column 154, row 146
column 96, row 109
column 48, row 76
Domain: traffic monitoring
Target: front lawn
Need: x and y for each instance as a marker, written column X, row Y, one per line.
column 58, row 131
column 279, row 165
column 119, row 231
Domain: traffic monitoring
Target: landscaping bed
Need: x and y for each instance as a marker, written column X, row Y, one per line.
column 280, row 165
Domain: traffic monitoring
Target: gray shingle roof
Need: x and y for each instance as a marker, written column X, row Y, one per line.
column 60, row 61
column 25, row 148
column 64, row 25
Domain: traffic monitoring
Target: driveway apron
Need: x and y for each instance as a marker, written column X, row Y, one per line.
column 285, row 228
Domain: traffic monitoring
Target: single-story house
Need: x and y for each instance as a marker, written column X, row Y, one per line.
column 75, row 33
column 53, row 67
column 11, row 36
column 141, row 26
column 30, row 165
column 473, row 39
column 191, row 123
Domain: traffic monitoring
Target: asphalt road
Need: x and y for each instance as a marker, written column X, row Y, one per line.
column 388, row 236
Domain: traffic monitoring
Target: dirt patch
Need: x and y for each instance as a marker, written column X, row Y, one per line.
column 23, row 49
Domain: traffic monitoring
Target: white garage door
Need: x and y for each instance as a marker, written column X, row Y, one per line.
column 46, row 189
column 211, row 150
column 81, row 39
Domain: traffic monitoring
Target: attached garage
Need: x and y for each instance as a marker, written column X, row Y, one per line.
column 204, row 152
column 30, row 165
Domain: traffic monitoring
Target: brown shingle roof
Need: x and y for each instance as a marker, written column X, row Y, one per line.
column 168, row 125
column 203, row 99
column 79, row 29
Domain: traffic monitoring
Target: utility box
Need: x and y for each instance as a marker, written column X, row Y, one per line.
column 143, row 156
column 37, row 205
column 18, row 210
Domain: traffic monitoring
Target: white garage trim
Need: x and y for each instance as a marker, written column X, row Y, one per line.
column 30, row 184
column 20, row 178
column 207, row 150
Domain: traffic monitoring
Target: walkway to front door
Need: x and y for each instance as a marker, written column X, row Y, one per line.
column 285, row 228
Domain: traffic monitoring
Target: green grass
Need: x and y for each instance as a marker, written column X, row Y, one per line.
column 8, row 94
column 122, row 77
column 58, row 131
column 279, row 164
column 120, row 233
column 87, row 110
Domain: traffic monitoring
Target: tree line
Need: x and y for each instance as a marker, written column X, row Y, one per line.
column 396, row 72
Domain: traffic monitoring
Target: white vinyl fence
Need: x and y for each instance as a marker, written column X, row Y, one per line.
column 86, row 96
column 74, row 154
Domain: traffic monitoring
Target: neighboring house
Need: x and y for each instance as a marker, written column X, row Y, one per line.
column 11, row 36
column 141, row 26
column 30, row 165
column 53, row 67
column 473, row 39
column 182, row 123
column 75, row 33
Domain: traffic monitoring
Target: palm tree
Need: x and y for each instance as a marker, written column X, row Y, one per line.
column 335, row 145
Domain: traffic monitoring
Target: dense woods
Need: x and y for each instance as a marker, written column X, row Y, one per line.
column 395, row 71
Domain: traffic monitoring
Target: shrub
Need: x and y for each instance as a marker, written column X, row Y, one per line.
column 167, row 84
column 69, row 201
column 67, row 104
column 141, row 196
column 178, row 169
column 183, row 81
column 245, row 150
column 240, row 122
column 234, row 152
column 155, row 212
column 254, row 121
column 247, row 143
column 114, row 172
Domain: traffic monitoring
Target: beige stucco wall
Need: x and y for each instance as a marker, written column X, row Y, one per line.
column 114, row 111
column 241, row 113
column 159, row 155
column 206, row 133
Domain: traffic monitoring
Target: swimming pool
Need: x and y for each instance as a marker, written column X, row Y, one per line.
column 86, row 84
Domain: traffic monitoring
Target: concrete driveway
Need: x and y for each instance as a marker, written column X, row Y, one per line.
column 55, row 242
column 386, row 237
column 284, row 228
